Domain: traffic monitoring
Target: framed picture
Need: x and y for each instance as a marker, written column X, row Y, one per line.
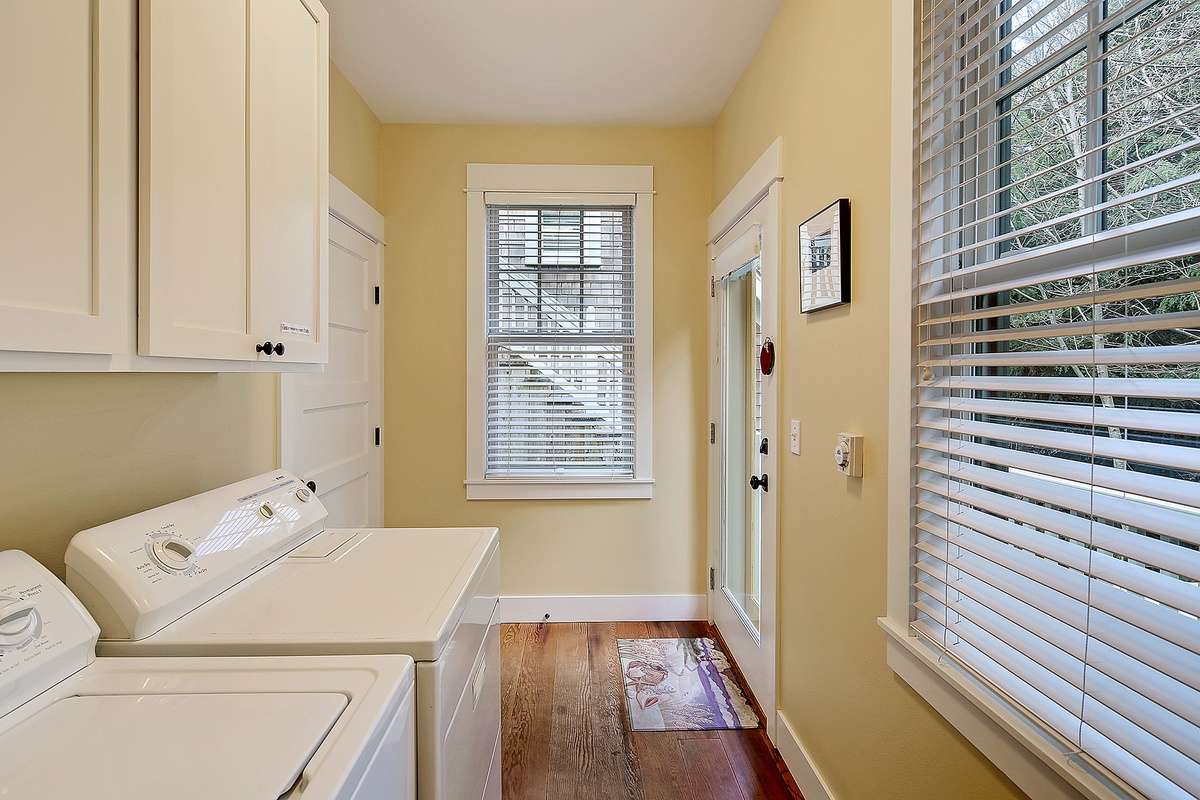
column 825, row 258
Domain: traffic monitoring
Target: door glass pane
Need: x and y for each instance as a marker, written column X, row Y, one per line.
column 741, row 545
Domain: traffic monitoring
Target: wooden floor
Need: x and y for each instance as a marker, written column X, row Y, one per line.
column 566, row 728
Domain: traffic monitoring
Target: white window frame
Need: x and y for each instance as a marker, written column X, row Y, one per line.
column 1039, row 765
column 550, row 184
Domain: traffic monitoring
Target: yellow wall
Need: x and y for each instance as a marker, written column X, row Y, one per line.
column 80, row 450
column 354, row 130
column 821, row 79
column 547, row 547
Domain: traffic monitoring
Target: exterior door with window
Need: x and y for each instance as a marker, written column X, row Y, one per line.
column 742, row 476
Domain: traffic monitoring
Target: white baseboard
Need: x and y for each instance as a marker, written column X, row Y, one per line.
column 804, row 772
column 605, row 608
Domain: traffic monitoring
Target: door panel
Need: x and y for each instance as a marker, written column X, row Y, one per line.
column 66, row 201
column 742, row 477
column 287, row 169
column 193, row 219
column 328, row 419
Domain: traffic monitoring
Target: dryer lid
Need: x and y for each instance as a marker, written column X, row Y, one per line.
column 388, row 590
column 182, row 746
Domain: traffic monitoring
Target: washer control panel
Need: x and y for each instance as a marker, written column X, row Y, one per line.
column 45, row 634
column 138, row 574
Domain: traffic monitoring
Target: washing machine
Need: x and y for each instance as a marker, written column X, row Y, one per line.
column 73, row 725
column 250, row 569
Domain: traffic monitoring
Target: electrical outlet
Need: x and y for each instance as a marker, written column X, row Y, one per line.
column 848, row 454
column 796, row 436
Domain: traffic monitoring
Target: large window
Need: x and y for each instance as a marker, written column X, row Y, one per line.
column 561, row 402
column 1054, row 550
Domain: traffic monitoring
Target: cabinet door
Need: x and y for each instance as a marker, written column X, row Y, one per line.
column 194, row 284
column 66, row 175
column 288, row 165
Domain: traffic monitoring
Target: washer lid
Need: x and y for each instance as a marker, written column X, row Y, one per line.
column 146, row 747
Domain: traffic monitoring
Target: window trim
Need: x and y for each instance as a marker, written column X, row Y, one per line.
column 549, row 183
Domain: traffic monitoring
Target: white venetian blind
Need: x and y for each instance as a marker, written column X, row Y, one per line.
column 560, row 341
column 1057, row 542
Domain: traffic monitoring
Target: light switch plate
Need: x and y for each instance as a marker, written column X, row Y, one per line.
column 848, row 454
column 796, row 436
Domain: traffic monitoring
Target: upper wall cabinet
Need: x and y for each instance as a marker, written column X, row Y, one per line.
column 66, row 176
column 233, row 172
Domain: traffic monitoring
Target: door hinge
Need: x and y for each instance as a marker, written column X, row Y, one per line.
column 712, row 577
column 712, row 286
column 376, row 295
column 712, row 433
column 378, row 437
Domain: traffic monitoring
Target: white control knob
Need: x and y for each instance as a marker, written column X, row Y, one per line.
column 19, row 622
column 841, row 455
column 266, row 511
column 848, row 455
column 303, row 494
column 172, row 554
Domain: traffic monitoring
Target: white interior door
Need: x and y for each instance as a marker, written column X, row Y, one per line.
column 331, row 422
column 742, row 468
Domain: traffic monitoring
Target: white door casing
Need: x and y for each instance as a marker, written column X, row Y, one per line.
column 755, row 201
column 328, row 420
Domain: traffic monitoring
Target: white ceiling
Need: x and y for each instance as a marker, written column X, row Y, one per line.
column 546, row 62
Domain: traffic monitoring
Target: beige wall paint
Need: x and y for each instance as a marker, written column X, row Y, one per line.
column 547, row 547
column 354, row 131
column 821, row 79
column 80, row 450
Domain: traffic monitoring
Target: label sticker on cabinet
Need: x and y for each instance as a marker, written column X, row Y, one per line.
column 301, row 330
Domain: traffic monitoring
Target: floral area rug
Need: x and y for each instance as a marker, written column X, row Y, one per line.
column 681, row 685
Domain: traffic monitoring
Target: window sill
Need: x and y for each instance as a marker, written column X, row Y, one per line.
column 559, row 489
column 1040, row 766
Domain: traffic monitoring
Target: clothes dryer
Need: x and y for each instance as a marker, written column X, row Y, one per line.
column 73, row 725
column 249, row 569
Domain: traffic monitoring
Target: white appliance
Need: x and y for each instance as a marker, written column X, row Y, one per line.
column 248, row 569
column 73, row 725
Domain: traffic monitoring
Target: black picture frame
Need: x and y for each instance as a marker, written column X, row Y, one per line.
column 825, row 258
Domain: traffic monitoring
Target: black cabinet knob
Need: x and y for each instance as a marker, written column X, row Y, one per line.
column 757, row 482
column 269, row 348
column 312, row 485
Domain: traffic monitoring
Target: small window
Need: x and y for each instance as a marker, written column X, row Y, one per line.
column 559, row 402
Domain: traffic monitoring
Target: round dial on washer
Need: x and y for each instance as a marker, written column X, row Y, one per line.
column 172, row 554
column 266, row 511
column 303, row 494
column 19, row 622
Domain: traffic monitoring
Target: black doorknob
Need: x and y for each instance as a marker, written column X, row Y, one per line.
column 757, row 482
column 312, row 485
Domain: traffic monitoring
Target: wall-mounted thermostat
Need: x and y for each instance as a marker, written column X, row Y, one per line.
column 848, row 454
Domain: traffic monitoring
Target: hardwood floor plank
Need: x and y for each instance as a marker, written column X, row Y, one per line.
column 709, row 772
column 617, row 770
column 662, row 765
column 753, row 761
column 699, row 734
column 572, row 769
column 512, row 655
column 525, row 709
